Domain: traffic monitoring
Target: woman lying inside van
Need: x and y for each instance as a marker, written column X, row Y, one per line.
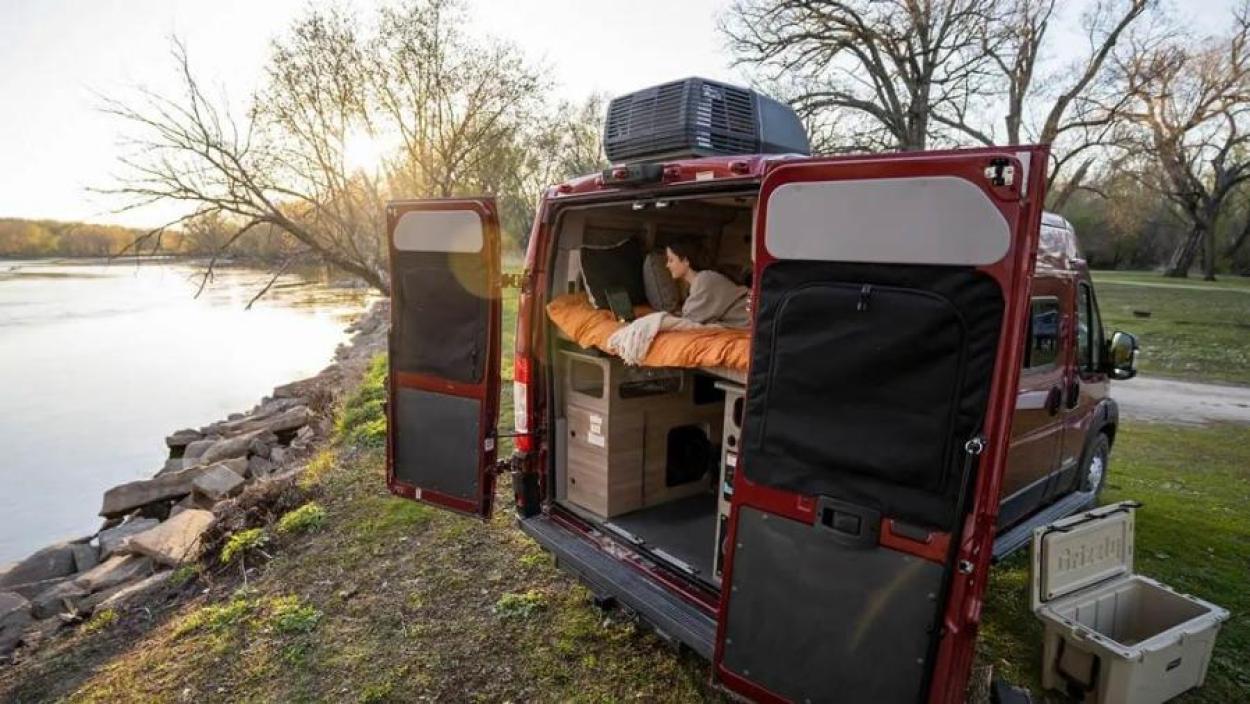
column 712, row 298
column 712, row 302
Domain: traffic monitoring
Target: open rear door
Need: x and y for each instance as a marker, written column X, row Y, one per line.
column 444, row 352
column 891, row 297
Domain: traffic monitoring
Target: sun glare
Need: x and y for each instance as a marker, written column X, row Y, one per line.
column 363, row 151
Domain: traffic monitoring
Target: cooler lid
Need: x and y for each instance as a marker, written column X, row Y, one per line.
column 1082, row 550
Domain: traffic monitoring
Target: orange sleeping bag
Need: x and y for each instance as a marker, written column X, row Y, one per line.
column 708, row 347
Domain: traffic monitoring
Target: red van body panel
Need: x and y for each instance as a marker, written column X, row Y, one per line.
column 1043, row 416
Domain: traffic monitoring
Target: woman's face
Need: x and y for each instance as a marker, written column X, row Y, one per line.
column 677, row 266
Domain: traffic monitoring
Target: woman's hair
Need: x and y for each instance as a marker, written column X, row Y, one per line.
column 690, row 249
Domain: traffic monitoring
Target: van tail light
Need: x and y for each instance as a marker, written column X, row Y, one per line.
column 520, row 403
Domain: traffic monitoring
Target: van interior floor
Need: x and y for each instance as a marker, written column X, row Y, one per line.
column 684, row 529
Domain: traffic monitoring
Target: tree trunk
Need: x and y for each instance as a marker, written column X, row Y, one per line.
column 1183, row 256
column 1241, row 238
column 1208, row 255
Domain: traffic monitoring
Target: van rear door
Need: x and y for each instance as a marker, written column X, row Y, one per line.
column 444, row 352
column 891, row 296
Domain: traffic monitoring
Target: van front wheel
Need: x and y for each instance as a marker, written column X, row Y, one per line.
column 1094, row 473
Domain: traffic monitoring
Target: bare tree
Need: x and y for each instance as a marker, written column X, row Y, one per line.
column 454, row 103
column 1079, row 110
column 456, row 109
column 1192, row 102
column 189, row 150
column 904, row 69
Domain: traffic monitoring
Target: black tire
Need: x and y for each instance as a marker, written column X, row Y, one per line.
column 1093, row 475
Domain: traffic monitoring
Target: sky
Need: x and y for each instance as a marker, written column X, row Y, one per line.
column 57, row 57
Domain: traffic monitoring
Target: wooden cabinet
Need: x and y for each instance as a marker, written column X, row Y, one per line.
column 621, row 425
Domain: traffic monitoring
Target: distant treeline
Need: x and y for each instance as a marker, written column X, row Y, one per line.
column 51, row 238
column 201, row 236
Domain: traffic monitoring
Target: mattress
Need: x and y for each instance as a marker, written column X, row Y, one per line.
column 722, row 351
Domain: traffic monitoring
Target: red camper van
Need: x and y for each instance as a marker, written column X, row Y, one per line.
column 811, row 503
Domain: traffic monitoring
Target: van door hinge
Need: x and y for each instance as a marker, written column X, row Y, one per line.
column 515, row 281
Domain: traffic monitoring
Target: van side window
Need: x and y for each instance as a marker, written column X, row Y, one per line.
column 1088, row 330
column 1043, row 346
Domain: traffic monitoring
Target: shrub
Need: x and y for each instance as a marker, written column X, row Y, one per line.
column 243, row 542
column 305, row 519
column 101, row 620
column 289, row 615
column 520, row 605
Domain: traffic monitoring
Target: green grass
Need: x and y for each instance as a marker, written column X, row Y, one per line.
column 1197, row 330
column 361, row 420
column 1193, row 533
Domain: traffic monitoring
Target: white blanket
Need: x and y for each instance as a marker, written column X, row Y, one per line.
column 632, row 342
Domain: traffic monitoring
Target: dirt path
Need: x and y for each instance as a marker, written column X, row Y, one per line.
column 1182, row 402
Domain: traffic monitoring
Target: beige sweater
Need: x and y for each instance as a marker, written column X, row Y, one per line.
column 714, row 299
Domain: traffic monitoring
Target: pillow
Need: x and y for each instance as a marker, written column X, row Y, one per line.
column 617, row 266
column 661, row 289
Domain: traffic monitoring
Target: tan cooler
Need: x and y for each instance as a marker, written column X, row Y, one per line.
column 1111, row 635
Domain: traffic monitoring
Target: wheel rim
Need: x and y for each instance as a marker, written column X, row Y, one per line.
column 1093, row 475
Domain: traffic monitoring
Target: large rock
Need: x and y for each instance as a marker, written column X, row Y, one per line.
column 180, row 439
column 30, row 589
column 289, row 420
column 196, row 449
column 126, row 497
column 304, row 438
column 14, row 610
column 124, row 594
column 229, row 448
column 113, row 538
column 175, row 541
column 218, row 482
column 14, row 617
column 238, row 465
column 258, row 418
column 85, row 556
column 258, row 466
column 116, row 570
column 48, row 563
column 304, row 388
column 261, row 446
column 58, row 599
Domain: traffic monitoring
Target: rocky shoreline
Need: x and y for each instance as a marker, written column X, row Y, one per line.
column 154, row 526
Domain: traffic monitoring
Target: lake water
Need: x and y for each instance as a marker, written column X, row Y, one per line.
column 99, row 361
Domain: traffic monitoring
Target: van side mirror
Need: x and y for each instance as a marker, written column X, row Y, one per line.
column 1122, row 356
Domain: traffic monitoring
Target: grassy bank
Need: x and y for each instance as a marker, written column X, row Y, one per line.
column 1197, row 330
column 1193, row 533
column 374, row 598
column 360, row 596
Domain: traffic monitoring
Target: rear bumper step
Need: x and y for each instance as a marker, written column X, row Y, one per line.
column 1022, row 534
column 607, row 576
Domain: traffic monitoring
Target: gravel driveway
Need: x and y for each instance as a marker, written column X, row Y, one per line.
column 1183, row 402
